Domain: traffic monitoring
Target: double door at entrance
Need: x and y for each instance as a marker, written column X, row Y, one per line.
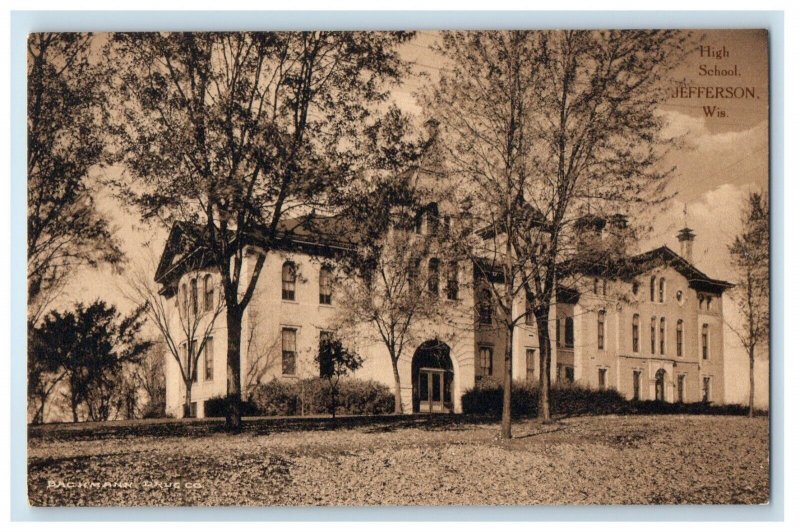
column 435, row 390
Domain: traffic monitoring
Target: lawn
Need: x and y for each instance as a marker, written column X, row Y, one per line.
column 402, row 461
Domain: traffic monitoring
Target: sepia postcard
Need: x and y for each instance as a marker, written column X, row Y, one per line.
column 432, row 268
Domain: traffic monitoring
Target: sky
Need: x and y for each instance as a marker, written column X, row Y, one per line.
column 722, row 159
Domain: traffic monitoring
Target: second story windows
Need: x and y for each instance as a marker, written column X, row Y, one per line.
column 653, row 335
column 601, row 330
column 653, row 288
column 452, row 281
column 208, row 293
column 662, row 289
column 569, row 332
column 288, row 281
column 679, row 338
column 433, row 276
column 325, row 286
column 193, row 296
column 662, row 332
column 485, row 307
column 704, row 341
column 635, row 333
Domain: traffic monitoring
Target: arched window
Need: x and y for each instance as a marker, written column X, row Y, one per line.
column 569, row 332
column 601, row 329
column 208, row 292
column 485, row 307
column 193, row 284
column 662, row 331
column 325, row 290
column 635, row 333
column 452, row 281
column 662, row 288
column 433, row 276
column 653, row 288
column 184, row 297
column 288, row 280
column 653, row 335
column 679, row 338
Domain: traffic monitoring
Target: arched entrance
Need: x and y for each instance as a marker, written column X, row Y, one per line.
column 660, row 376
column 432, row 378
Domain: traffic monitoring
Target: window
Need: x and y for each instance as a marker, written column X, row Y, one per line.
column 208, row 292
column 452, row 281
column 325, row 292
column 432, row 219
column 569, row 332
column 681, row 388
column 569, row 374
column 558, row 332
column 485, row 362
column 433, row 276
column 530, row 364
column 679, row 296
column 413, row 273
column 704, row 341
column 653, row 288
column 605, row 287
column 653, row 335
column 637, row 384
column 679, row 338
column 193, row 285
column 183, row 306
column 596, row 287
column 324, row 336
column 528, row 310
column 288, row 280
column 662, row 331
column 208, row 358
column 601, row 329
column 700, row 299
column 635, row 287
column 193, row 355
column 706, row 389
column 289, row 351
column 662, row 288
column 635, row 333
column 601, row 378
column 485, row 307
column 193, row 409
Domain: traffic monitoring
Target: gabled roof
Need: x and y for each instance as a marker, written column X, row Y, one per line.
column 664, row 255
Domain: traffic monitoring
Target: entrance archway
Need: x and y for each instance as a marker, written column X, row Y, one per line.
column 432, row 378
column 660, row 377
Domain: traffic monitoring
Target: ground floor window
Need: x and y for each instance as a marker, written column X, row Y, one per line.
column 289, row 351
column 637, row 385
column 602, row 373
column 530, row 364
column 569, row 374
column 485, row 356
column 706, row 389
column 193, row 409
column 681, row 388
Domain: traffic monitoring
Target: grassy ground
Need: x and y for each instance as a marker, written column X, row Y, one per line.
column 402, row 461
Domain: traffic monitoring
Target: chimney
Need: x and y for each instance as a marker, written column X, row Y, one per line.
column 686, row 238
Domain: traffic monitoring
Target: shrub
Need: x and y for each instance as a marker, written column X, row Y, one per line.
column 217, row 407
column 487, row 399
column 311, row 396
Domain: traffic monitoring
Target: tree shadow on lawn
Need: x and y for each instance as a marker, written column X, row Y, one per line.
column 172, row 428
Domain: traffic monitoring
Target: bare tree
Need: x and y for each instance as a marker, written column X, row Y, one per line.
column 541, row 129
column 65, row 109
column 184, row 323
column 750, row 259
column 249, row 129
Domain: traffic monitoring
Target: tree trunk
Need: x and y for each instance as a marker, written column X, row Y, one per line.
column 398, row 396
column 187, row 399
column 233, row 417
column 505, row 424
column 751, row 408
column 543, row 332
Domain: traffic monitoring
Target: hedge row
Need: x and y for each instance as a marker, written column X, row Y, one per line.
column 311, row 397
column 486, row 399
